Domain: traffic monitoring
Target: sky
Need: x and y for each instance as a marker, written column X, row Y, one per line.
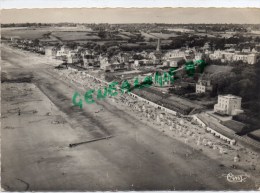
column 133, row 15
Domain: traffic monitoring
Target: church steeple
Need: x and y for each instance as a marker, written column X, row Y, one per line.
column 158, row 52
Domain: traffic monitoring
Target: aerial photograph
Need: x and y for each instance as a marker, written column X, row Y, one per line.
column 130, row 99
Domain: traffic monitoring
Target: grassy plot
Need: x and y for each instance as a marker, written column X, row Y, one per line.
column 24, row 33
column 123, row 36
column 128, row 34
column 148, row 36
column 66, row 33
column 164, row 36
column 75, row 35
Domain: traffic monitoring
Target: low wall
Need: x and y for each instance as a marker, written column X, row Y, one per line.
column 198, row 120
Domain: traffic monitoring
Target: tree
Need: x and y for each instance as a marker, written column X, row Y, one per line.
column 102, row 34
column 125, row 87
column 112, row 51
column 138, row 57
column 181, row 62
column 36, row 42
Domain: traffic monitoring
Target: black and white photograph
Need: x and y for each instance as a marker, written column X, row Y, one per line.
column 130, row 99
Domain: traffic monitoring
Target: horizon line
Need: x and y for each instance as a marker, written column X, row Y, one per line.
column 132, row 23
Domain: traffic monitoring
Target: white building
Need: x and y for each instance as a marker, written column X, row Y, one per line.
column 136, row 64
column 171, row 58
column 228, row 104
column 234, row 56
column 251, row 58
column 50, row 51
column 246, row 50
column 216, row 55
column 203, row 86
column 198, row 56
column 73, row 57
column 173, row 61
column 200, row 88
column 64, row 51
column 173, row 54
column 152, row 57
column 104, row 63
column 240, row 56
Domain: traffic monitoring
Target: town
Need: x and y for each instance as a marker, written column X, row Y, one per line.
column 195, row 84
column 147, row 82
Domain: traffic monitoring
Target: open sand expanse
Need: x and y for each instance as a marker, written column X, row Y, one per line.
column 39, row 122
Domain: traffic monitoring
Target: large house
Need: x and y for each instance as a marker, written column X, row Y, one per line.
column 203, row 86
column 231, row 55
column 104, row 63
column 174, row 53
column 90, row 60
column 73, row 57
column 64, row 51
column 228, row 105
column 171, row 58
column 172, row 61
column 51, row 51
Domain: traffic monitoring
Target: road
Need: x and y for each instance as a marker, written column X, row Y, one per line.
column 36, row 157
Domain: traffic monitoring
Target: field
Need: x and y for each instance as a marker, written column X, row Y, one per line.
column 123, row 36
column 127, row 34
column 164, row 36
column 50, row 33
column 180, row 30
column 205, row 34
column 80, row 35
column 148, row 36
column 24, row 33
column 74, row 35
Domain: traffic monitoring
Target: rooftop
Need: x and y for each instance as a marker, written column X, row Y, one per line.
column 230, row 96
column 255, row 135
column 241, row 54
column 236, row 126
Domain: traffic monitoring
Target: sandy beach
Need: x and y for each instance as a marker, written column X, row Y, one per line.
column 39, row 122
